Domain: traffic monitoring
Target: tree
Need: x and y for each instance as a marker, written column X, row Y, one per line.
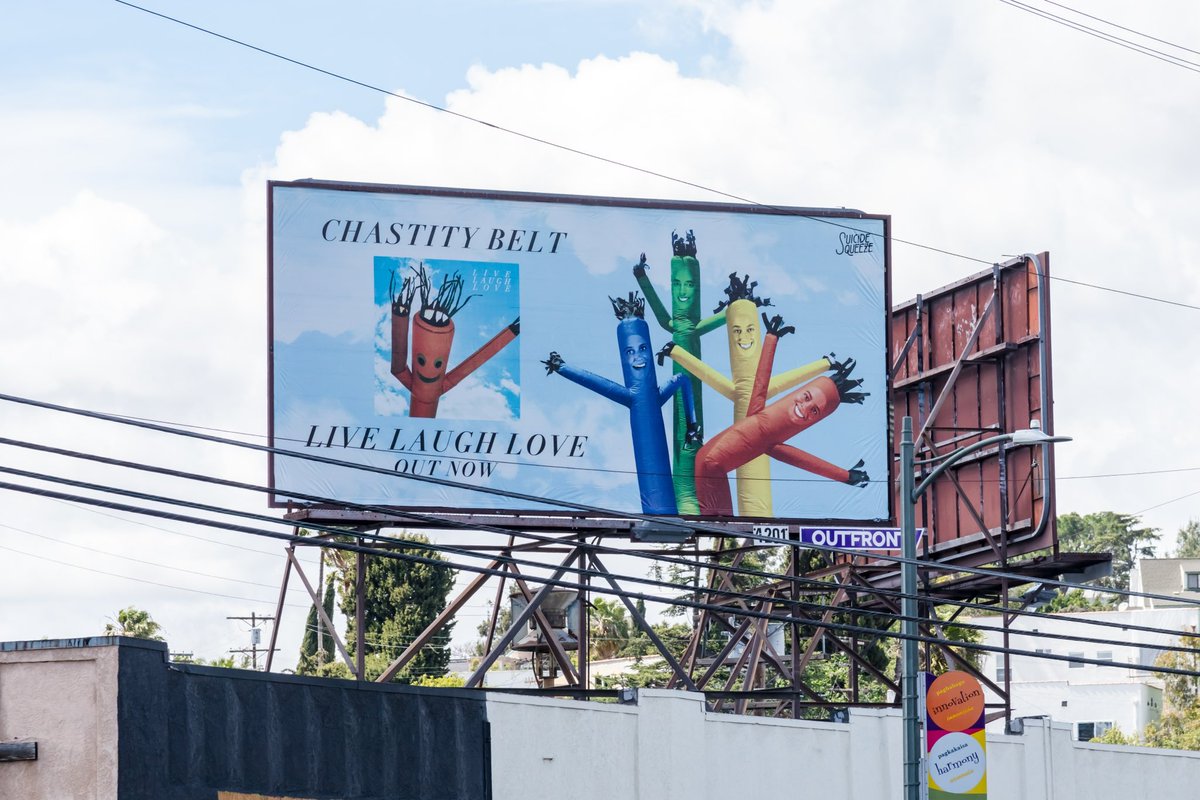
column 311, row 656
column 609, row 630
column 134, row 622
column 1108, row 532
column 1179, row 726
column 1075, row 600
column 1187, row 541
column 403, row 597
column 1176, row 730
column 1182, row 692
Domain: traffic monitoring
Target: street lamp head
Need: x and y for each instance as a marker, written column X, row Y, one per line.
column 1034, row 435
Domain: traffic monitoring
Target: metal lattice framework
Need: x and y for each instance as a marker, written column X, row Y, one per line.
column 971, row 360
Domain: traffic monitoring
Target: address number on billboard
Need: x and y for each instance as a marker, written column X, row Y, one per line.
column 771, row 531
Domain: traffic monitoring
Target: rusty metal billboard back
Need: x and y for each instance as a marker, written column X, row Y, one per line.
column 972, row 360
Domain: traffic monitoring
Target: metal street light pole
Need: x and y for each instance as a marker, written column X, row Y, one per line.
column 910, row 493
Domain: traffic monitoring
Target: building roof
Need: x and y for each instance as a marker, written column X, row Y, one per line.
column 1165, row 576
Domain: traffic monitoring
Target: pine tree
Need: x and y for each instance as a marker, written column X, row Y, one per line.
column 1108, row 532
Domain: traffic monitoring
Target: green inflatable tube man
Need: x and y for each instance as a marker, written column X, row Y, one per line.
column 686, row 328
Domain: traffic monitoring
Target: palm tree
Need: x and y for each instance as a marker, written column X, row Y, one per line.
column 134, row 622
column 609, row 629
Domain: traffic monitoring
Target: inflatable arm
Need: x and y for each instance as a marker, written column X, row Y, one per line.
column 400, row 349
column 712, row 378
column 589, row 380
column 656, row 304
column 794, row 377
column 480, row 356
column 682, row 384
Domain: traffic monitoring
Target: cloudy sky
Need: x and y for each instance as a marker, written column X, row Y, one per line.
column 135, row 150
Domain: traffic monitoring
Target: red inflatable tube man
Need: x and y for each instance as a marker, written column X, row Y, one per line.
column 765, row 429
column 428, row 378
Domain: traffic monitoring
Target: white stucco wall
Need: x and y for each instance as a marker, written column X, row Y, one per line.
column 66, row 701
column 667, row 747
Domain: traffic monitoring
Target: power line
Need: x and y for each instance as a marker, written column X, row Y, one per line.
column 137, row 560
column 144, row 580
column 613, row 161
column 693, row 527
column 444, row 549
column 740, row 611
column 1121, row 27
column 676, row 601
column 1108, row 37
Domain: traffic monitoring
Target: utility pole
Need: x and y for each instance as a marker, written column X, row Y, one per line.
column 255, row 621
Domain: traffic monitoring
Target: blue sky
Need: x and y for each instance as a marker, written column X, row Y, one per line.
column 135, row 152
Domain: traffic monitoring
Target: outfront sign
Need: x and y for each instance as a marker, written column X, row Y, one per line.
column 857, row 538
column 632, row 356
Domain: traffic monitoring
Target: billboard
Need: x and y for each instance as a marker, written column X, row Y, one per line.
column 662, row 358
column 955, row 741
column 972, row 360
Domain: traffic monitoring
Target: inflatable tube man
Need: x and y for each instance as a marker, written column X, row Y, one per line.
column 686, row 328
column 644, row 399
column 765, row 429
column 745, row 348
column 428, row 378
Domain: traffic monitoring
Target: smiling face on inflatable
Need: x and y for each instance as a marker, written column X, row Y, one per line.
column 745, row 336
column 637, row 365
column 430, row 354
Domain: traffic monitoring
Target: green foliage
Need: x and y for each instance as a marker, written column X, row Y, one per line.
column 686, row 577
column 445, row 681
column 310, row 656
column 934, row 658
column 503, row 623
column 1076, row 600
column 1182, row 692
column 675, row 637
column 609, row 629
column 1108, row 532
column 1115, row 735
column 956, row 633
column 1187, row 541
column 1177, row 730
column 402, row 598
column 1179, row 727
column 223, row 661
column 830, row 678
column 134, row 622
column 651, row 673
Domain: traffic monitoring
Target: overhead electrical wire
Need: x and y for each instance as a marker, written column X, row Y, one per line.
column 533, row 578
column 605, row 159
column 928, row 565
column 1121, row 27
column 144, row 524
column 136, row 560
column 145, row 580
column 604, row 470
column 799, row 581
column 437, row 521
column 1176, row 61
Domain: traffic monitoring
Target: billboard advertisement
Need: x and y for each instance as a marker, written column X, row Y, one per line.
column 956, row 746
column 662, row 358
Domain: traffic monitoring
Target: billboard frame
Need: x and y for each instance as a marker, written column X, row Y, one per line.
column 572, row 516
column 968, row 348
